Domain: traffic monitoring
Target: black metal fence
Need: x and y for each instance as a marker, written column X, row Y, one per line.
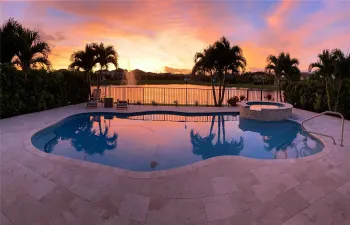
column 180, row 96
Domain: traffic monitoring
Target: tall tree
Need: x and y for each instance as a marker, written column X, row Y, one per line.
column 105, row 55
column 275, row 67
column 217, row 61
column 325, row 68
column 31, row 51
column 204, row 64
column 341, row 72
column 9, row 39
column 84, row 60
column 290, row 68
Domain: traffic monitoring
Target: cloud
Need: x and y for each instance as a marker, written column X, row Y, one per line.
column 168, row 69
column 152, row 35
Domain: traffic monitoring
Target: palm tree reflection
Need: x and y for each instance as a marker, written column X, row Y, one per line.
column 205, row 147
column 86, row 138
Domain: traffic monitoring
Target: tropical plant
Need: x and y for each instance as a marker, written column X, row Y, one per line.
column 31, row 51
column 84, row 60
column 105, row 55
column 341, row 72
column 9, row 39
column 332, row 67
column 233, row 101
column 218, row 61
column 40, row 91
column 268, row 97
column 283, row 66
column 290, row 68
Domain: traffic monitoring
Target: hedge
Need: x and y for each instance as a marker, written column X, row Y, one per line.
column 40, row 91
column 311, row 95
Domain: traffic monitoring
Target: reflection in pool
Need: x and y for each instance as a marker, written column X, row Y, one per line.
column 147, row 142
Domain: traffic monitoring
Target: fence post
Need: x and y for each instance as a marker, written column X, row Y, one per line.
column 247, row 94
column 143, row 95
column 163, row 96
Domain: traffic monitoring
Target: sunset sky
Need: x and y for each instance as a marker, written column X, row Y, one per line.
column 164, row 35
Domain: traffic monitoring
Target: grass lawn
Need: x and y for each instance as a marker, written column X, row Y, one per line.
column 162, row 82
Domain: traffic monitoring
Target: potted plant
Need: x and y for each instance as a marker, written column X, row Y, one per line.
column 268, row 97
column 138, row 102
column 233, row 101
column 154, row 102
column 242, row 98
column 196, row 103
column 176, row 102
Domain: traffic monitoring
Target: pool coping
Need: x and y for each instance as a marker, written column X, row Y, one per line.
column 26, row 140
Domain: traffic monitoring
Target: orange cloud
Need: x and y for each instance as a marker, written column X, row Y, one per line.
column 152, row 34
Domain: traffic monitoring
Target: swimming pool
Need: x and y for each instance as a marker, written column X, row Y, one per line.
column 162, row 140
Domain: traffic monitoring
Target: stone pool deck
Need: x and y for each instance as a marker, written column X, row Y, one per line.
column 39, row 188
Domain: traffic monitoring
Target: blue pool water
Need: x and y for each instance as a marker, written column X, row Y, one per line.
column 157, row 141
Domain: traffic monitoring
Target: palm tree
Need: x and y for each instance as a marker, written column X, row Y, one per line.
column 290, row 68
column 105, row 55
column 84, row 60
column 325, row 69
column 217, row 61
column 229, row 60
column 31, row 51
column 341, row 72
column 204, row 64
column 9, row 39
column 275, row 67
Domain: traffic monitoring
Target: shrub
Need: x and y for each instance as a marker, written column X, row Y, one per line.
column 311, row 95
column 154, row 102
column 196, row 103
column 176, row 102
column 40, row 91
column 138, row 102
column 233, row 101
column 242, row 98
column 268, row 97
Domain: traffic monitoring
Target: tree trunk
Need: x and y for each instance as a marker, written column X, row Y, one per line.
column 223, row 89
column 220, row 83
column 214, row 93
column 328, row 97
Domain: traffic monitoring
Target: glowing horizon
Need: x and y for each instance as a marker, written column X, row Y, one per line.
column 164, row 35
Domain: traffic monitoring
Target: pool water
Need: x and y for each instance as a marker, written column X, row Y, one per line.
column 158, row 141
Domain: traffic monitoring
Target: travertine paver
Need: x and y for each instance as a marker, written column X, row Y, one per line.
column 49, row 189
column 134, row 207
column 299, row 219
column 223, row 185
column 310, row 191
column 219, row 207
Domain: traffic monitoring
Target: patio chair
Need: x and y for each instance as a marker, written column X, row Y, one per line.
column 122, row 104
column 94, row 100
